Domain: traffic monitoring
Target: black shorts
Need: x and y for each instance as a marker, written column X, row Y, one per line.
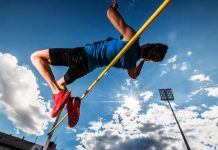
column 75, row 58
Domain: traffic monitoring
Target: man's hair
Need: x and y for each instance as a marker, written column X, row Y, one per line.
column 154, row 52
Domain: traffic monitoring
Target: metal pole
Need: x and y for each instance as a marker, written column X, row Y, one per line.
column 183, row 136
column 51, row 133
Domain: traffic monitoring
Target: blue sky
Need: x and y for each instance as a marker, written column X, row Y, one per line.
column 118, row 112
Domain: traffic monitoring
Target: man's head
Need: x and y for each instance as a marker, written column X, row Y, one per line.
column 153, row 52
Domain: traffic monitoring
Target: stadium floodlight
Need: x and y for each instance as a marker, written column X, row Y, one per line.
column 167, row 95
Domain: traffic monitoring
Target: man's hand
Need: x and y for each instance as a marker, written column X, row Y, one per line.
column 114, row 4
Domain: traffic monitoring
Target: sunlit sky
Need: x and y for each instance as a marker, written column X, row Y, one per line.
column 119, row 113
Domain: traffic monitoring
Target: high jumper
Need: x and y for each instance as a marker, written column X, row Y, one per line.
column 85, row 59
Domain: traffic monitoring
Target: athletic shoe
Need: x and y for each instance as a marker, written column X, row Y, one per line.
column 60, row 100
column 73, row 110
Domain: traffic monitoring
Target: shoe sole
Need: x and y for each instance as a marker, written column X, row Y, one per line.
column 74, row 118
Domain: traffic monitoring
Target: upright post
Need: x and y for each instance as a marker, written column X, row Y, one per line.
column 51, row 133
column 167, row 95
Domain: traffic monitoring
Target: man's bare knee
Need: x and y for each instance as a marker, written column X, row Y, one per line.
column 40, row 55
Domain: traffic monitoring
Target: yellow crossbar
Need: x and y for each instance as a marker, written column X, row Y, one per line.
column 125, row 48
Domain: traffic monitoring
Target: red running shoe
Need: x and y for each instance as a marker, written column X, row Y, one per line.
column 60, row 100
column 73, row 110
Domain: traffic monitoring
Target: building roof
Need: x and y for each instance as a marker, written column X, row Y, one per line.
column 17, row 143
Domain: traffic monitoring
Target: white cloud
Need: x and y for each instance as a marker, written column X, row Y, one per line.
column 45, row 84
column 166, row 68
column 96, row 125
column 146, row 95
column 195, row 71
column 204, row 105
column 128, row 82
column 184, row 66
column 212, row 91
column 153, row 128
column 199, row 77
column 136, row 83
column 174, row 66
column 192, row 108
column 172, row 59
column 194, row 93
column 189, row 53
column 163, row 72
column 131, row 82
column 211, row 113
column 20, row 100
column 70, row 130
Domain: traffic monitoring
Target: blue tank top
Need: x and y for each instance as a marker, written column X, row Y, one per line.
column 101, row 53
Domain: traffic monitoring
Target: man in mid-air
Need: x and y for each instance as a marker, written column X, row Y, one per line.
column 85, row 59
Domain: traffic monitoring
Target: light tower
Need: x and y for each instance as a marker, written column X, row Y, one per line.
column 167, row 95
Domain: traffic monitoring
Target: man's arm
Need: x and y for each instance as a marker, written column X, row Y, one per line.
column 118, row 22
column 135, row 71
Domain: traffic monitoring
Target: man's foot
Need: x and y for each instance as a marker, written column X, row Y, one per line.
column 60, row 100
column 73, row 110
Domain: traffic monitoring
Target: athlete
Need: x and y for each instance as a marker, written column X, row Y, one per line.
column 87, row 58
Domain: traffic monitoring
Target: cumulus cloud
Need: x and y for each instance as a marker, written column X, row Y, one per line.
column 199, row 77
column 151, row 129
column 172, row 59
column 205, row 90
column 20, row 98
column 166, row 68
column 130, row 82
column 171, row 64
column 184, row 66
column 212, row 91
column 146, row 95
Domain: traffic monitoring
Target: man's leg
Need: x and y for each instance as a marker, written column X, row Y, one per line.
column 62, row 83
column 41, row 60
column 73, row 105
